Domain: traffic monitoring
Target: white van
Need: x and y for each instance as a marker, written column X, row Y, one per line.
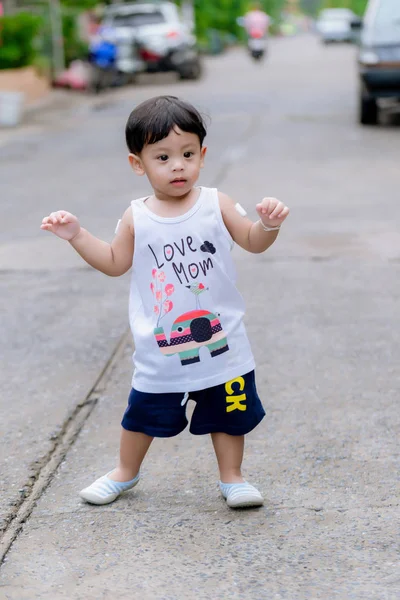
column 379, row 57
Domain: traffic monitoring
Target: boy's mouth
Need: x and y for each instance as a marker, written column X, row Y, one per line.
column 178, row 182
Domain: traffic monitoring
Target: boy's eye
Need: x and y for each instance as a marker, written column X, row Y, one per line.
column 188, row 154
column 163, row 157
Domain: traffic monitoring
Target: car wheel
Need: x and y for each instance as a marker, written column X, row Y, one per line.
column 369, row 111
column 191, row 71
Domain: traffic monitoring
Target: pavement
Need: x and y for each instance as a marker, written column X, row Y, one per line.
column 322, row 316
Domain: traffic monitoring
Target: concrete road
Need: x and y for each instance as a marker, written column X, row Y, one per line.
column 323, row 317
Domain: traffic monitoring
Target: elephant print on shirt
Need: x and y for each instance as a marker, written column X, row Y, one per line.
column 190, row 332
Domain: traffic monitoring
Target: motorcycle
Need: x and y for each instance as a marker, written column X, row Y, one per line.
column 102, row 59
column 257, row 44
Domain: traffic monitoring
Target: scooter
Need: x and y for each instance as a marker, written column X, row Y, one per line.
column 102, row 59
column 257, row 44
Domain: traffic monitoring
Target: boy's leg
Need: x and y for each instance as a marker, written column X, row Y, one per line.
column 106, row 489
column 133, row 448
column 237, row 492
column 229, row 452
column 160, row 415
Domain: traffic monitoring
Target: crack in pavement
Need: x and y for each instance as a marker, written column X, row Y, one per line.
column 69, row 431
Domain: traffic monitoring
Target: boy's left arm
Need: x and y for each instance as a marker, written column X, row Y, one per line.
column 252, row 236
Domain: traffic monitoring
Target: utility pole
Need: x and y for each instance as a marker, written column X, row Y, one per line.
column 9, row 7
column 188, row 14
column 56, row 37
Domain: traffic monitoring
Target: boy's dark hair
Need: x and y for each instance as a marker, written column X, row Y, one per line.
column 153, row 120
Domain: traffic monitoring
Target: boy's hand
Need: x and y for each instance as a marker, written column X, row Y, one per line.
column 272, row 212
column 63, row 224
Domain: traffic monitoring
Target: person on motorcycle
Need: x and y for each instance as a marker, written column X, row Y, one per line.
column 256, row 22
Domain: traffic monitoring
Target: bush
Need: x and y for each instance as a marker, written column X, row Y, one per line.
column 74, row 47
column 17, row 40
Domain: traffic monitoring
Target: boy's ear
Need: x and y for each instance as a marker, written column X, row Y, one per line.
column 203, row 153
column 136, row 164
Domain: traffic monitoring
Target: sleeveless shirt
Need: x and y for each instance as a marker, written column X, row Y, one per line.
column 185, row 311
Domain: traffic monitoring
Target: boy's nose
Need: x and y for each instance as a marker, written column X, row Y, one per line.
column 177, row 166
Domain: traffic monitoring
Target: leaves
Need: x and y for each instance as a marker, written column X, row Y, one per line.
column 18, row 34
column 358, row 6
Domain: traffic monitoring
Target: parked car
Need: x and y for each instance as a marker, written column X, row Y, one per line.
column 334, row 25
column 378, row 58
column 152, row 37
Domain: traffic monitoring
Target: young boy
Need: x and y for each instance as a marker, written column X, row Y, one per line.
column 177, row 241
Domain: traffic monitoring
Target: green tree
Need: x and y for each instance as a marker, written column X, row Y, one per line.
column 310, row 7
column 18, row 34
column 221, row 15
column 358, row 6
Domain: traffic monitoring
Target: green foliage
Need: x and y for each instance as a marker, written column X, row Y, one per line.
column 310, row 7
column 81, row 4
column 74, row 47
column 358, row 6
column 18, row 35
column 216, row 19
column 219, row 15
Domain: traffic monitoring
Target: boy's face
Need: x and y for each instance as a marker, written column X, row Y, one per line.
column 172, row 165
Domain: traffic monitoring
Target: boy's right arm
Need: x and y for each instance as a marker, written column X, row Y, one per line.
column 112, row 259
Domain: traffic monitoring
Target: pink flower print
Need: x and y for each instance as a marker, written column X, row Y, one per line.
column 167, row 306
column 156, row 309
column 154, row 273
column 159, row 296
column 152, row 287
column 161, row 276
column 169, row 289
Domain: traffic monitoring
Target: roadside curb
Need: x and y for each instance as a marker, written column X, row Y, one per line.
column 40, row 114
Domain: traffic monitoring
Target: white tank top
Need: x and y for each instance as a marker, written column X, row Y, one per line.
column 185, row 311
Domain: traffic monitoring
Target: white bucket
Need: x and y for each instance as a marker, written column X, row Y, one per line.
column 10, row 108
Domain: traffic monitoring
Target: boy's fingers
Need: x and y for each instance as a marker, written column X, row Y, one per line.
column 284, row 213
column 272, row 206
column 266, row 206
column 64, row 216
column 61, row 216
column 277, row 209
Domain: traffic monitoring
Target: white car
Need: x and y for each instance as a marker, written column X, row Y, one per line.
column 153, row 37
column 334, row 25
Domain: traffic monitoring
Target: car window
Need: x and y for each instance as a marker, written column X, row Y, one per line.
column 382, row 23
column 138, row 19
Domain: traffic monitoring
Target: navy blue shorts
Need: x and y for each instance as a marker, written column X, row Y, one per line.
column 233, row 408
